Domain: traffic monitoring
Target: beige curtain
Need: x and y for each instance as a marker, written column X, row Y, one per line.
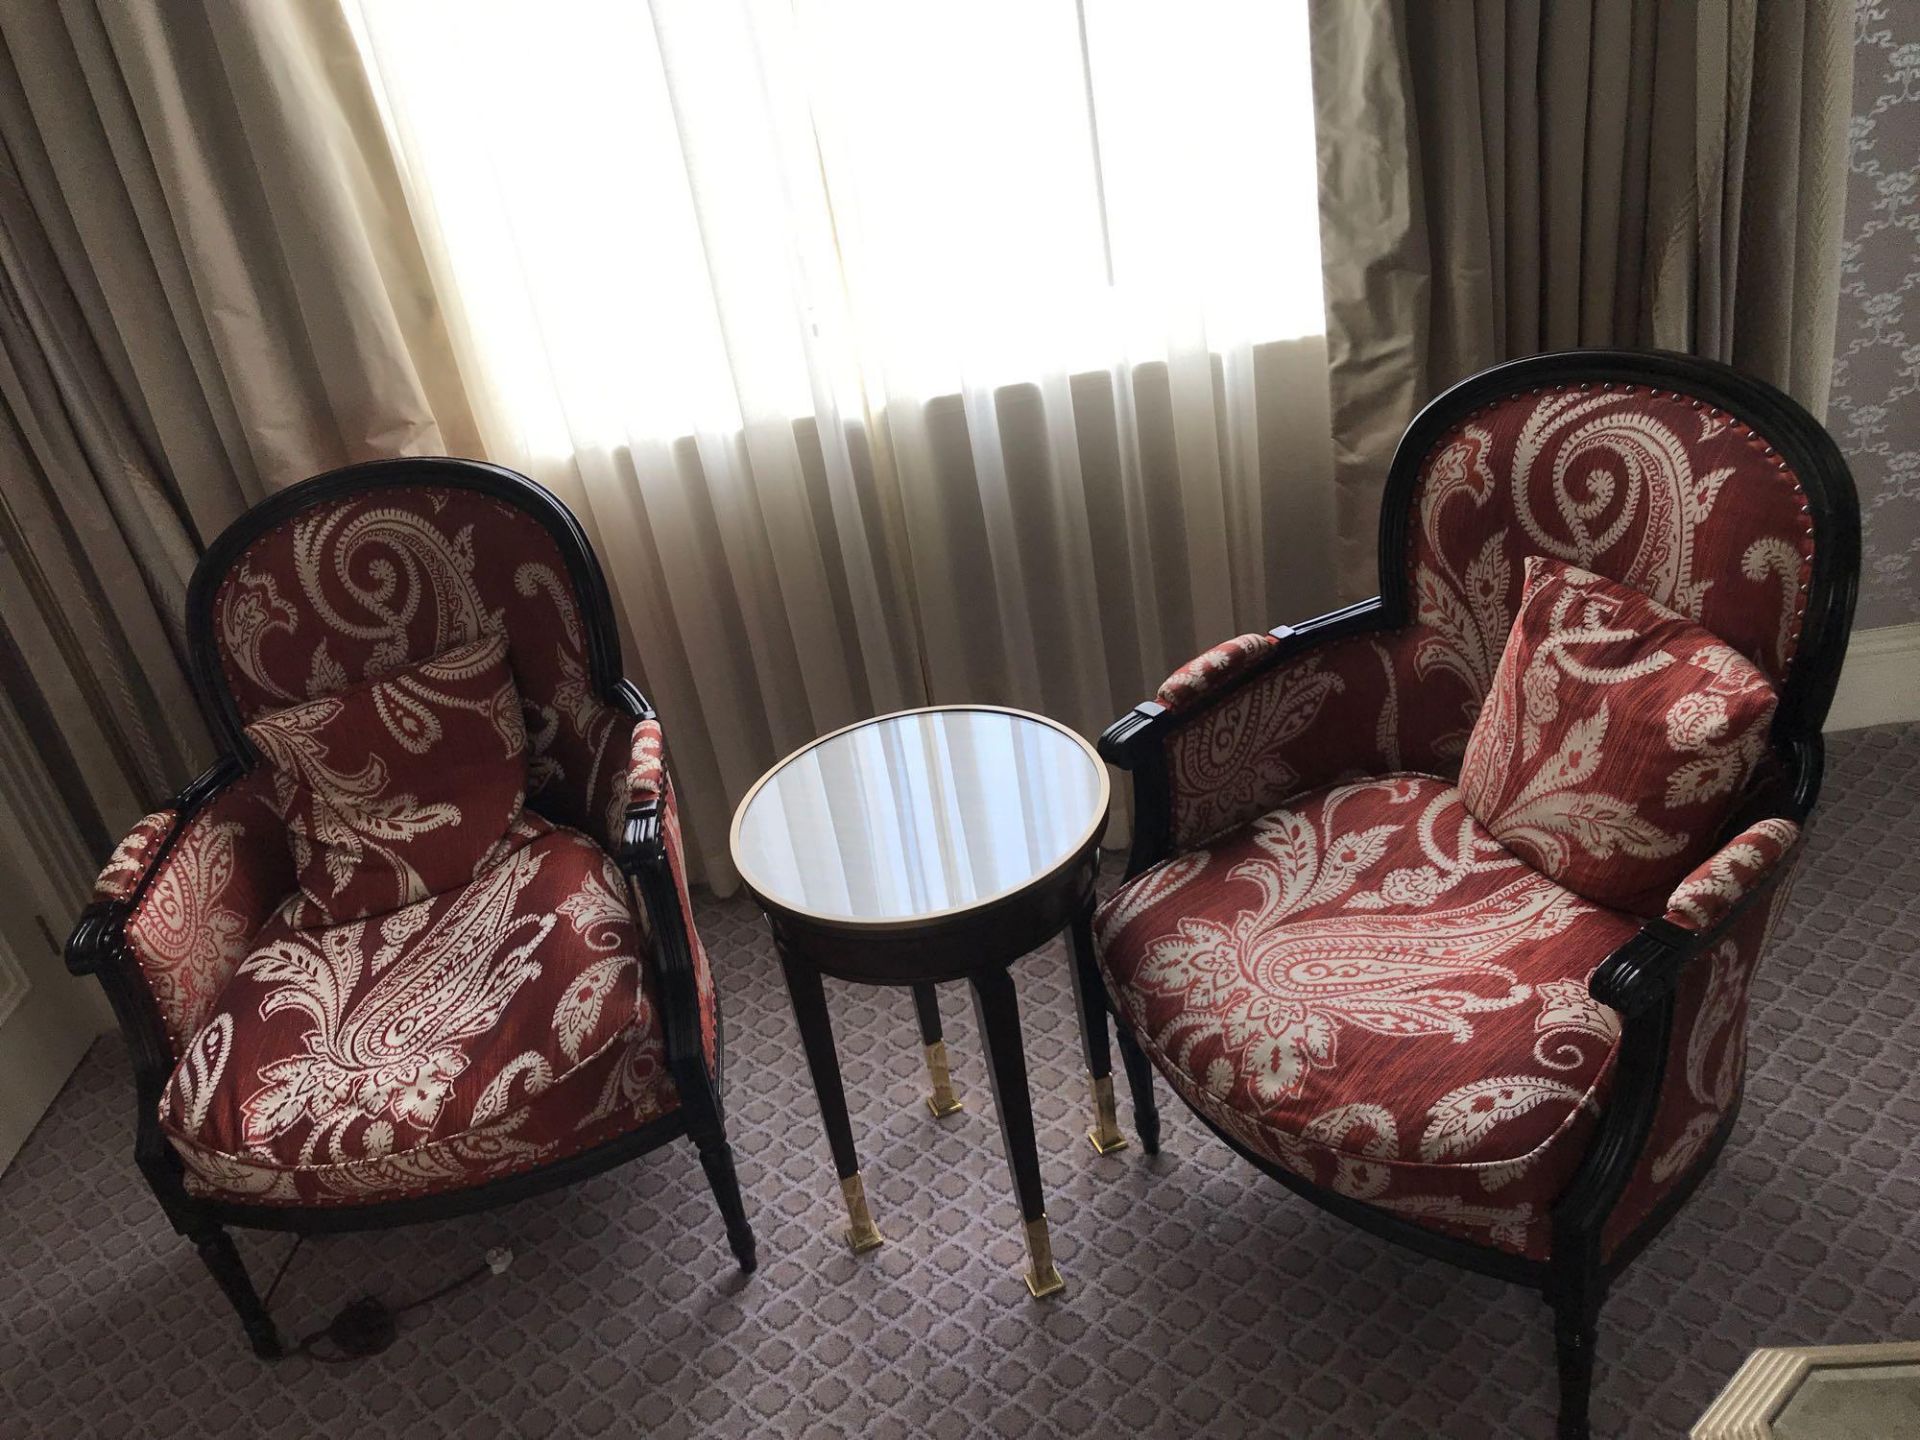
column 729, row 332
column 94, row 556
column 874, row 392
column 208, row 289
column 1501, row 177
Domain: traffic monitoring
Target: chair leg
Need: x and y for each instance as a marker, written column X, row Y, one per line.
column 1575, row 1323
column 1090, row 1000
column 716, row 1158
column 1146, row 1114
column 223, row 1261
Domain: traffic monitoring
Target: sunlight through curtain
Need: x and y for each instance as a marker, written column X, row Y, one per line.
column 891, row 353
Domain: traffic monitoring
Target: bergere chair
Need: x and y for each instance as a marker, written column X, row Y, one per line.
column 551, row 1018
column 1334, row 964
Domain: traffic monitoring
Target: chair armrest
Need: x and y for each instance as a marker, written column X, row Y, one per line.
column 649, row 850
column 126, row 869
column 171, row 914
column 1744, row 864
column 183, row 893
column 97, row 946
column 639, row 781
column 1679, row 986
column 1215, row 675
column 98, row 936
column 1703, row 908
column 1235, row 731
column 646, row 764
column 1212, row 672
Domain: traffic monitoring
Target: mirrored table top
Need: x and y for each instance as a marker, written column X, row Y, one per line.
column 909, row 817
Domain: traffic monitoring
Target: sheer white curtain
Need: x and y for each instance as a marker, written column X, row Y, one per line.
column 892, row 352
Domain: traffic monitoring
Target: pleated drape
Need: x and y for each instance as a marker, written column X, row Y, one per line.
column 741, row 329
column 1502, row 177
column 209, row 288
column 822, row 334
column 889, row 356
column 94, row 554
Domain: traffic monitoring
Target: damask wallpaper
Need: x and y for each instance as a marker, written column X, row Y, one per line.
column 1875, row 411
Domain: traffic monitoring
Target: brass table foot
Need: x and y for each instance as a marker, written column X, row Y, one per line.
column 1043, row 1276
column 862, row 1234
column 942, row 1102
column 1105, row 1132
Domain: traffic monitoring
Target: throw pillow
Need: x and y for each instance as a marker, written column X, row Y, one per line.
column 400, row 787
column 1616, row 739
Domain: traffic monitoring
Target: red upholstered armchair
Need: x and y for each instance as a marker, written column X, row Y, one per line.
column 550, row 1018
column 1336, row 965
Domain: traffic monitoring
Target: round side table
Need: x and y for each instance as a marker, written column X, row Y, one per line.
column 924, row 847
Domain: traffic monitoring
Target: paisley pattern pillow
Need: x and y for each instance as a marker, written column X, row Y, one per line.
column 402, row 787
column 1615, row 740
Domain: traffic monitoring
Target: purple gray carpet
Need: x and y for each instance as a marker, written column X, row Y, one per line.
column 1201, row 1299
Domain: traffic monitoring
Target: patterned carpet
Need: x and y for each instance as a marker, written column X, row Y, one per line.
column 1200, row 1298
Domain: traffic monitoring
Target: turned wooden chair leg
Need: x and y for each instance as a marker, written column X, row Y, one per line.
column 1146, row 1114
column 1575, row 1324
column 223, row 1261
column 707, row 1129
column 716, row 1158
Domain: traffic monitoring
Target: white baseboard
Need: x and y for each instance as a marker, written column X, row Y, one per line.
column 1880, row 683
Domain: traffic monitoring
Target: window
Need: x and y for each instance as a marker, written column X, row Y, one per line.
column 683, row 218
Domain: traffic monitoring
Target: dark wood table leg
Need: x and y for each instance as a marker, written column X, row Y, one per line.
column 942, row 1101
column 999, row 1013
column 816, row 1037
column 1090, row 996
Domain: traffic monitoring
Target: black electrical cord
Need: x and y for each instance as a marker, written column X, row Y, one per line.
column 281, row 1273
column 368, row 1325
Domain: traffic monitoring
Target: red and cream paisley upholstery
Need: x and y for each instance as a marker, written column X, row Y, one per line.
column 468, row 1035
column 122, row 873
column 1330, row 713
column 401, row 787
column 1733, row 872
column 1706, row 1062
column 493, row 1007
column 1707, row 1054
column 356, row 589
column 1210, row 672
column 1616, row 739
column 1352, row 976
column 1657, row 490
column 360, row 586
column 1367, row 989
column 646, row 775
column 208, row 886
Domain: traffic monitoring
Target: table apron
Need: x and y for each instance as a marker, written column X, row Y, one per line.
column 946, row 949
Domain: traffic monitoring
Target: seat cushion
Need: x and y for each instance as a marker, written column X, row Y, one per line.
column 1366, row 989
column 454, row 1040
column 1616, row 739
